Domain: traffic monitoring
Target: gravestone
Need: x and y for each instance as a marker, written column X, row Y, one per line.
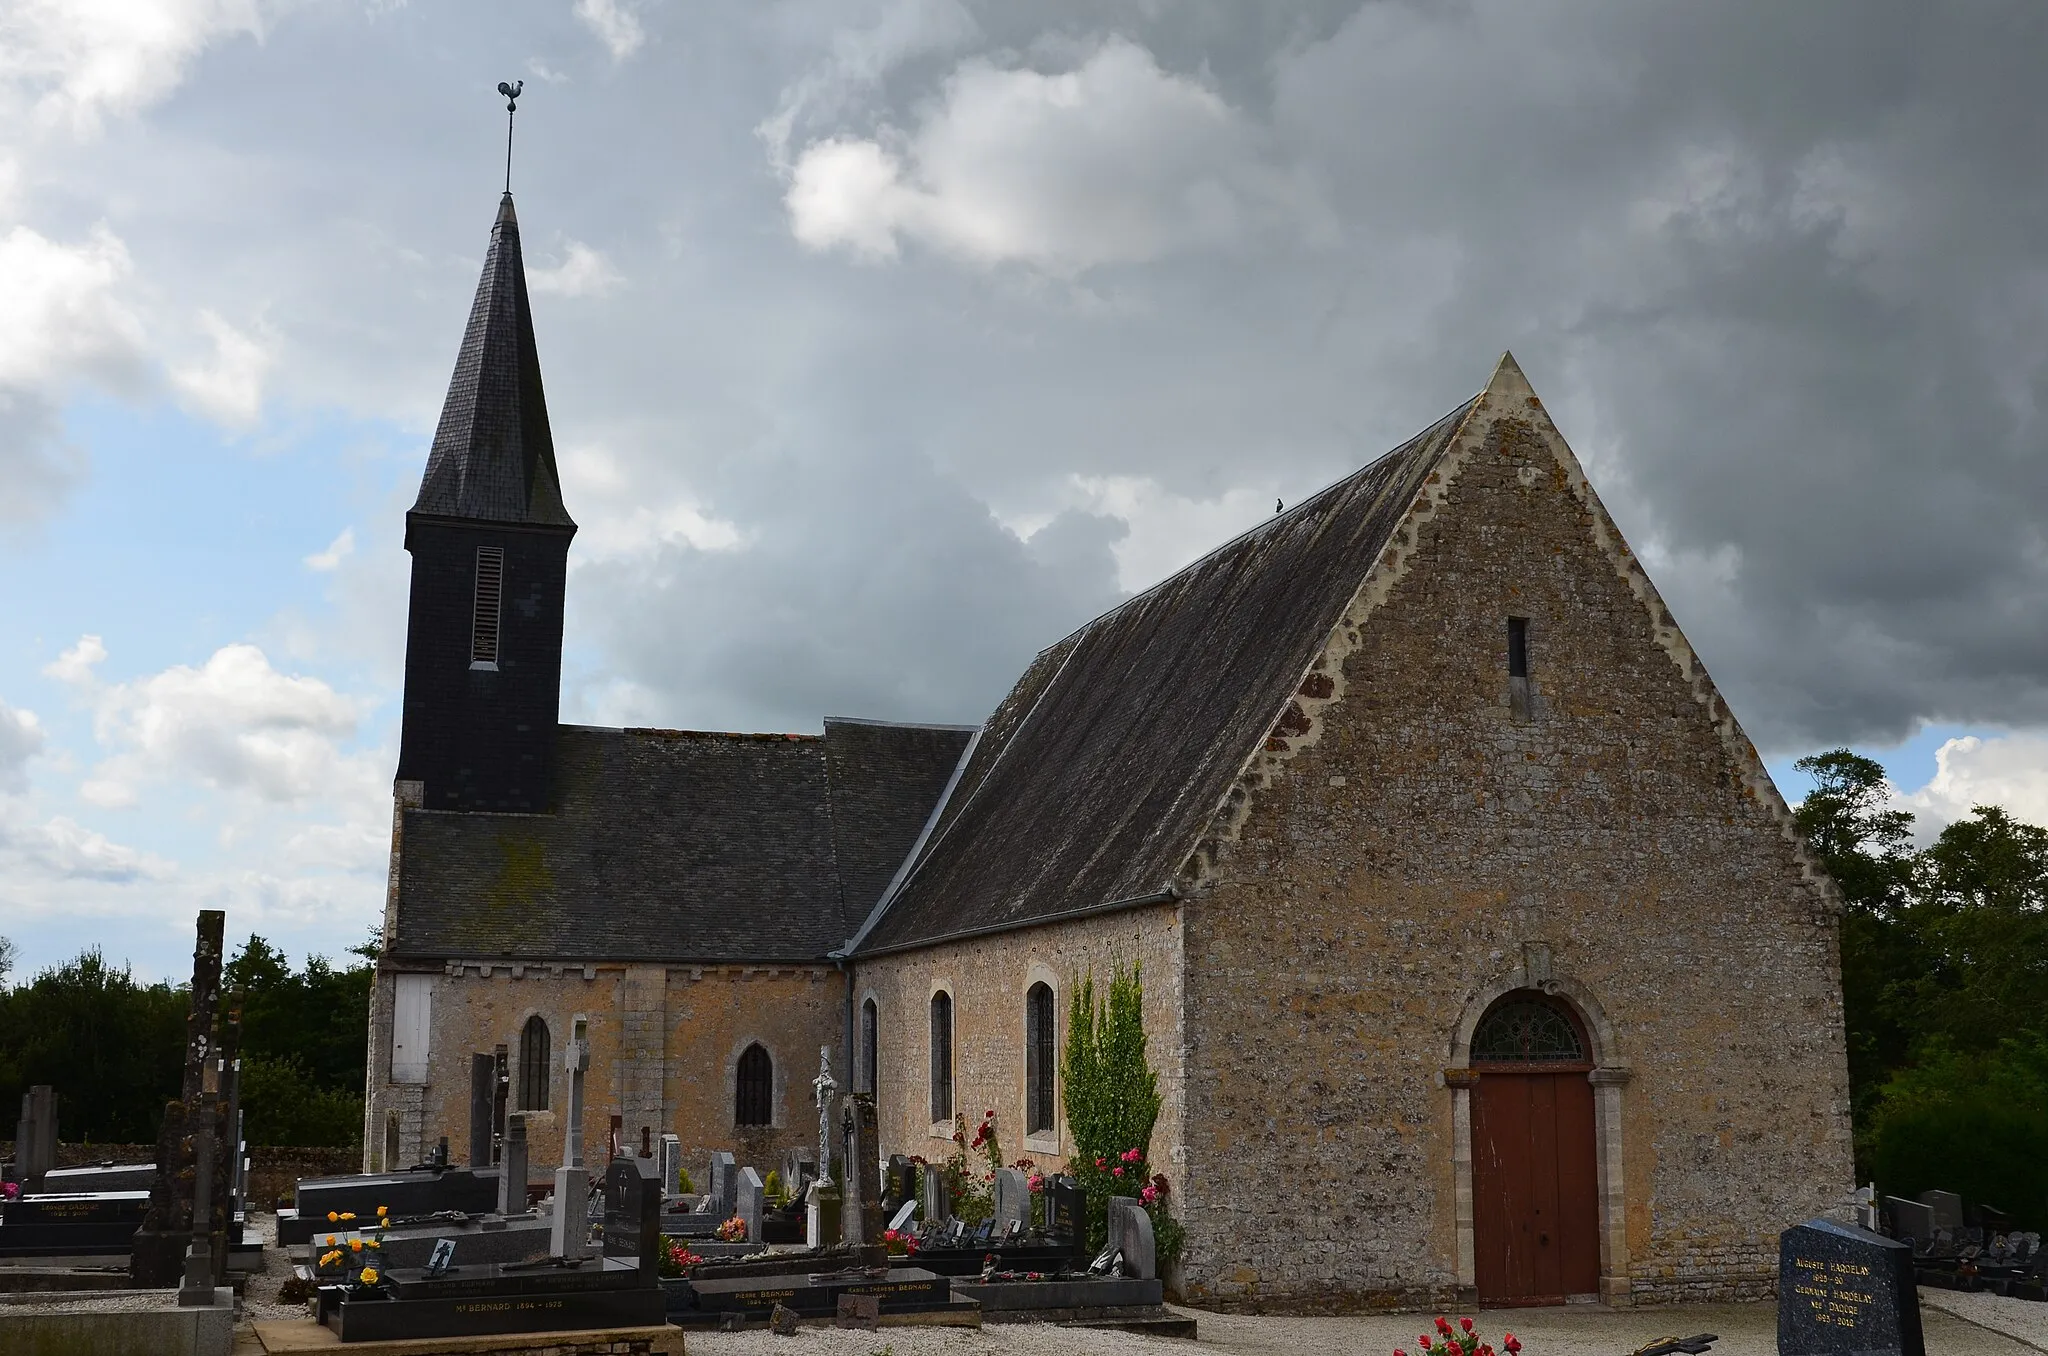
column 863, row 1312
column 35, row 1137
column 1013, row 1198
column 1845, row 1291
column 671, row 1166
column 501, row 1099
column 725, row 1186
column 862, row 1192
column 1910, row 1219
column 482, row 1081
column 822, row 1215
column 1130, row 1233
column 753, row 1203
column 938, row 1201
column 571, row 1230
column 799, row 1169
column 512, row 1170
column 1947, row 1207
column 632, row 1211
column 904, row 1214
column 1066, row 1213
column 898, row 1183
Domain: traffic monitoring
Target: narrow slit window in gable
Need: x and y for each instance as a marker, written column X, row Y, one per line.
column 1518, row 647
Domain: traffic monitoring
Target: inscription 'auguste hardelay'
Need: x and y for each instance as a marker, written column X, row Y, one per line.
column 1836, row 1293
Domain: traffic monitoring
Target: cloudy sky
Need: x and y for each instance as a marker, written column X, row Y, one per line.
column 886, row 340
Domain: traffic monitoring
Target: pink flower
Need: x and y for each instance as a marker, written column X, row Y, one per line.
column 1118, row 1171
column 1148, row 1195
column 1130, row 1155
column 1101, row 1163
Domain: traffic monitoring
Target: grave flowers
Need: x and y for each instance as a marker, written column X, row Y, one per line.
column 899, row 1242
column 1463, row 1340
column 733, row 1230
column 676, row 1259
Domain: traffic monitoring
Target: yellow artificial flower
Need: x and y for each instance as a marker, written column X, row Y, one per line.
column 328, row 1259
column 348, row 1214
column 355, row 1245
column 369, row 1276
column 330, row 1240
column 372, row 1243
column 331, row 1217
column 383, row 1210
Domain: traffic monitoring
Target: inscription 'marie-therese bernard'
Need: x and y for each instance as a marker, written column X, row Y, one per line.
column 1836, row 1293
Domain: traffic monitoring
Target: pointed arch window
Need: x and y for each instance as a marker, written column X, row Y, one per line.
column 754, row 1088
column 533, row 1065
column 942, row 1056
column 1039, row 1060
column 489, row 604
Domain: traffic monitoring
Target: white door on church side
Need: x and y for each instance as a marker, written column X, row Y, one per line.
column 411, row 1020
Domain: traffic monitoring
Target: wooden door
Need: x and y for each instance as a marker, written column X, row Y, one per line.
column 1535, row 1203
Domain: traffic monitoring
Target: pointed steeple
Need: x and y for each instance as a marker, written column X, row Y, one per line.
column 493, row 458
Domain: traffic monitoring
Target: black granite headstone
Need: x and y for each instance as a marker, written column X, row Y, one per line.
column 1845, row 1291
column 1066, row 1214
column 632, row 1211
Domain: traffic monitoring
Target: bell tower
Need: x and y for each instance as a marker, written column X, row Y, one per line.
column 489, row 540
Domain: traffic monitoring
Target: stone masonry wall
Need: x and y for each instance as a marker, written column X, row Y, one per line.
column 664, row 1045
column 987, row 978
column 1411, row 828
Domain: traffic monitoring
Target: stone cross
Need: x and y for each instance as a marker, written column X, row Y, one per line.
column 824, row 1086
column 569, row 1236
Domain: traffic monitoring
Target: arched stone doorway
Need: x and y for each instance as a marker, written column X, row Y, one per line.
column 1535, row 1170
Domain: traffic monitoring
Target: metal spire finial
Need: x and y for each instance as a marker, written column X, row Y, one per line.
column 511, row 91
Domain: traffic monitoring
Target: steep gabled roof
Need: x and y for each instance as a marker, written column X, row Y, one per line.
column 1097, row 775
column 493, row 457
column 673, row 845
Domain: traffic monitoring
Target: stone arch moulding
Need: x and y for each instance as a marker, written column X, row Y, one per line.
column 1609, row 1078
column 778, row 1076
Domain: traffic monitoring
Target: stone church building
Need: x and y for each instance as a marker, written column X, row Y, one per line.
column 1481, row 957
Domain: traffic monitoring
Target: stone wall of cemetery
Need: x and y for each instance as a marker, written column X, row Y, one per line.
column 1418, row 833
column 987, row 978
column 664, row 1041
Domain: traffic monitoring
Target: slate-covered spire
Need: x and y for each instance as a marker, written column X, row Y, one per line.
column 493, row 458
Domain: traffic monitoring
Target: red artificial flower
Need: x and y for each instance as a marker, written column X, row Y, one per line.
column 1443, row 1325
column 1426, row 1343
column 1399, row 1352
column 1511, row 1342
column 1466, row 1324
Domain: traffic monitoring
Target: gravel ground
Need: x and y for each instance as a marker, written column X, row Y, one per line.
column 1745, row 1330
column 2026, row 1320
column 259, row 1297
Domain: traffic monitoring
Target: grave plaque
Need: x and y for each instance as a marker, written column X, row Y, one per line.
column 1845, row 1291
column 1066, row 1213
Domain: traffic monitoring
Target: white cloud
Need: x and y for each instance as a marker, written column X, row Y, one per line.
column 228, row 387
column 615, row 25
column 75, row 665
column 583, row 273
column 2009, row 770
column 337, row 551
column 63, row 314
column 1167, row 530
column 77, row 60
column 860, row 57
column 21, row 738
column 1116, row 161
column 234, row 723
column 62, row 849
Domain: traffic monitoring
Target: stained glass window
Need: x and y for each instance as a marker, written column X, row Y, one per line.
column 1526, row 1029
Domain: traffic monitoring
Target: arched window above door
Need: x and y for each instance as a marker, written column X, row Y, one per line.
column 1527, row 1027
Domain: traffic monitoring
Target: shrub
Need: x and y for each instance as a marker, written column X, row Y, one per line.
column 1112, row 1101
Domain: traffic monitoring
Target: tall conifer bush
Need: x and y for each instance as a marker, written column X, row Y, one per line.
column 1112, row 1103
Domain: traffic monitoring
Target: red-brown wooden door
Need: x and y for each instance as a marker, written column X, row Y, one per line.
column 1535, row 1203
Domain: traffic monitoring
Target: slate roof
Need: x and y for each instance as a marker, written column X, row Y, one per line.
column 1096, row 776
column 493, row 456
column 678, row 845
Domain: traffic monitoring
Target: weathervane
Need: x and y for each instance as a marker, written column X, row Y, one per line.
column 511, row 91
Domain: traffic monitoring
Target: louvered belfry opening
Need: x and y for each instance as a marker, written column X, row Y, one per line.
column 942, row 1056
column 533, row 1066
column 754, row 1090
column 1039, row 1060
column 490, row 598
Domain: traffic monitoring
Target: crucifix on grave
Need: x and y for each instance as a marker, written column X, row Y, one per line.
column 824, row 1086
column 571, row 1232
column 821, row 1213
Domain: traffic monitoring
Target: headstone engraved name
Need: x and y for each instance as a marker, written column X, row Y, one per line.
column 632, row 1211
column 1066, row 1213
column 1845, row 1291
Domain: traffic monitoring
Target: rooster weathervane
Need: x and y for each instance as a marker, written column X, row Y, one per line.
column 511, row 90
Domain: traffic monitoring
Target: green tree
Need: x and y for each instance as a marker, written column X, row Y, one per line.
column 1981, row 916
column 1112, row 1104
column 112, row 1048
